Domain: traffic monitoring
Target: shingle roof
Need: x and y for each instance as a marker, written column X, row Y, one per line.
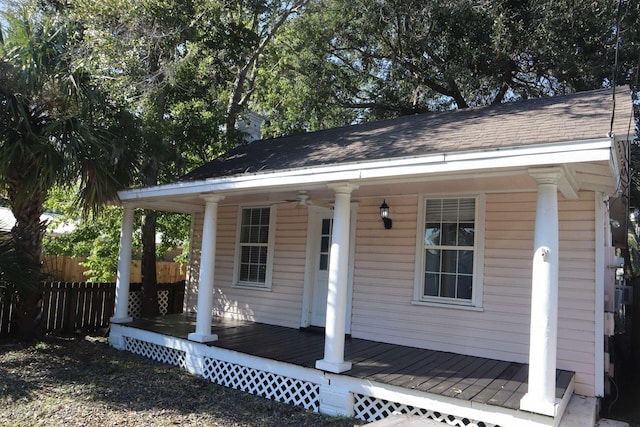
column 574, row 117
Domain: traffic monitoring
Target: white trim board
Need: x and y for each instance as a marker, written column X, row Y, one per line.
column 575, row 152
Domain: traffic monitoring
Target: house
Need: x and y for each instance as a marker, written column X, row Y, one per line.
column 453, row 265
column 7, row 221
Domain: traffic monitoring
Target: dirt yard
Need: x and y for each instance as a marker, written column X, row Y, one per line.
column 83, row 381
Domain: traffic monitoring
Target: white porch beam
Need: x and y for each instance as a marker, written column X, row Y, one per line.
column 335, row 326
column 121, row 314
column 540, row 397
column 568, row 185
column 207, row 270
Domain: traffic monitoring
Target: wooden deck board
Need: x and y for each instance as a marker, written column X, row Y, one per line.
column 482, row 381
column 403, row 365
column 497, row 384
column 510, row 387
column 471, row 378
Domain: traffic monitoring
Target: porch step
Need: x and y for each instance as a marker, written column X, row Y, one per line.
column 581, row 412
column 405, row 420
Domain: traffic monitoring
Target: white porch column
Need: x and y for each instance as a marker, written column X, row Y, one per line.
column 121, row 314
column 207, row 269
column 335, row 328
column 540, row 397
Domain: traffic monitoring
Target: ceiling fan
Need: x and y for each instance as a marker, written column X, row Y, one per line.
column 303, row 199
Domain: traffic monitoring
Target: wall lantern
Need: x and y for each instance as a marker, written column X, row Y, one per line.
column 384, row 214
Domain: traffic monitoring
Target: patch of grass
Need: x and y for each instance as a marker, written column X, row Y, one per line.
column 83, row 381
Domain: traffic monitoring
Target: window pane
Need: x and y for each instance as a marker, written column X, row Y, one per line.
column 449, row 223
column 465, row 234
column 464, row 287
column 263, row 216
column 449, row 261
column 432, row 234
column 255, row 225
column 450, row 210
column 244, row 233
column 465, row 262
column 467, row 210
column 254, row 237
column 246, row 216
column 434, row 210
column 253, row 234
column 262, row 255
column 448, row 286
column 244, row 257
column 244, row 272
column 324, row 262
column 254, row 258
column 252, row 273
column 431, row 284
column 263, row 234
column 449, row 234
column 324, row 244
column 326, row 226
column 433, row 260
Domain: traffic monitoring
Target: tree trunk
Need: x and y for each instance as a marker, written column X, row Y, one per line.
column 27, row 235
column 149, row 306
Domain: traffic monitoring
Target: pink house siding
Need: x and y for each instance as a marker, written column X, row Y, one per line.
column 384, row 281
column 281, row 305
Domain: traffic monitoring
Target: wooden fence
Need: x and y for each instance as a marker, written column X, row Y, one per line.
column 73, row 306
column 68, row 269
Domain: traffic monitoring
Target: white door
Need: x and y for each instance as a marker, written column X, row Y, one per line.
column 322, row 229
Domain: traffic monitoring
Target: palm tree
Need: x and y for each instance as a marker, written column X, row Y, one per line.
column 51, row 133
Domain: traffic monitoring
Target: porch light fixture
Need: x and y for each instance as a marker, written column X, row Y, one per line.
column 384, row 214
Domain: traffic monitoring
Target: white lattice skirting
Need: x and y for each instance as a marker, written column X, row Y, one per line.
column 304, row 387
column 135, row 303
column 372, row 409
column 262, row 383
column 156, row 352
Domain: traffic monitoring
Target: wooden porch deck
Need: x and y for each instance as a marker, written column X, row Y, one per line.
column 469, row 378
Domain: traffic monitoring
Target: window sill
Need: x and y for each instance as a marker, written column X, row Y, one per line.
column 252, row 287
column 445, row 305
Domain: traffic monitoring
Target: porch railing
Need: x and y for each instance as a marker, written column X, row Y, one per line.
column 73, row 306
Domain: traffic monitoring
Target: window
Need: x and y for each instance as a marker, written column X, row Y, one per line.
column 255, row 247
column 325, row 243
column 447, row 271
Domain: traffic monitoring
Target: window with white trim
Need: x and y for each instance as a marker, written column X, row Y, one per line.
column 254, row 253
column 447, row 270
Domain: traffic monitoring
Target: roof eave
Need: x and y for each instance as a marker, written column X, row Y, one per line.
column 498, row 158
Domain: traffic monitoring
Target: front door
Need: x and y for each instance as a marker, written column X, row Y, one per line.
column 320, row 228
column 323, row 229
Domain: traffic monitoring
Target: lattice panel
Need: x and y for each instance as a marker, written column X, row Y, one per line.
column 135, row 304
column 163, row 301
column 372, row 409
column 266, row 384
column 155, row 351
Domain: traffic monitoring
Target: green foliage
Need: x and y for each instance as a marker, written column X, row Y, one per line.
column 52, row 114
column 346, row 61
column 98, row 237
column 54, row 130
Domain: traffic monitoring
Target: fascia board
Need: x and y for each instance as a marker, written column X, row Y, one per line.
column 573, row 152
column 493, row 162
